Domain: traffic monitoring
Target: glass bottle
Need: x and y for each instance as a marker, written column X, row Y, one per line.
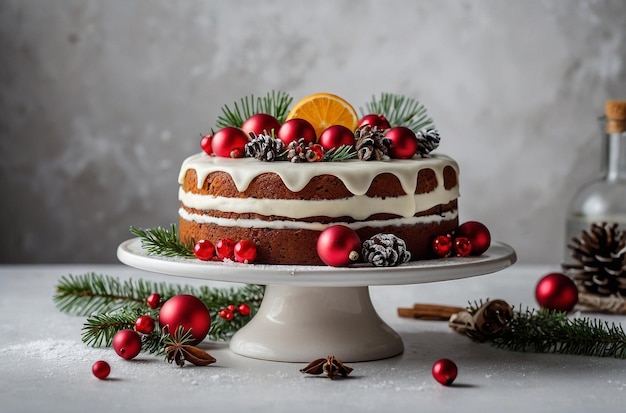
column 604, row 198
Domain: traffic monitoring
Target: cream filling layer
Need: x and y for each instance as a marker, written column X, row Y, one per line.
column 315, row 226
column 358, row 206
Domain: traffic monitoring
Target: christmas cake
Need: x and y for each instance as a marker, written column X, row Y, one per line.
column 281, row 187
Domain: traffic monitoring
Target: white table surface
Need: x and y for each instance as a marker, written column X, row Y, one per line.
column 44, row 366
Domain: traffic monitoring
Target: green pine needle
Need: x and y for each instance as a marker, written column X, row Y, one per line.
column 342, row 153
column 274, row 103
column 400, row 111
column 161, row 241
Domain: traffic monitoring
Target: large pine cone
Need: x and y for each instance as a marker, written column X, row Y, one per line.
column 599, row 253
column 385, row 250
column 264, row 147
column 371, row 144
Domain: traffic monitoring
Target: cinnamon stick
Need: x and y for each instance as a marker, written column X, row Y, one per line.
column 429, row 311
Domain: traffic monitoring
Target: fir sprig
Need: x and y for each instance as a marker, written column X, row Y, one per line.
column 274, row 103
column 548, row 331
column 113, row 305
column 400, row 111
column 161, row 241
column 342, row 153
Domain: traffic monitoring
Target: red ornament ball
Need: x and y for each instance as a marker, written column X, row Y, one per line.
column 462, row 247
column 442, row 245
column 336, row 136
column 225, row 249
column 375, row 120
column 154, row 301
column 204, row 250
column 229, row 142
column 144, row 324
column 127, row 344
column 445, row 371
column 245, row 251
column 101, row 369
column 205, row 144
column 244, row 309
column 226, row 314
column 261, row 123
column 296, row 128
column 338, row 246
column 403, row 142
column 556, row 291
column 477, row 233
column 188, row 312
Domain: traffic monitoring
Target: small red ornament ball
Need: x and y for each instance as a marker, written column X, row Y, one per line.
column 205, row 144
column 373, row 119
column 403, row 142
column 336, row 136
column 154, row 301
column 296, row 128
column 338, row 246
column 462, row 247
column 188, row 312
column 144, row 324
column 243, row 309
column 229, row 142
column 477, row 233
column 442, row 245
column 556, row 291
column 127, row 344
column 225, row 249
column 445, row 371
column 261, row 123
column 101, row 369
column 245, row 251
column 204, row 250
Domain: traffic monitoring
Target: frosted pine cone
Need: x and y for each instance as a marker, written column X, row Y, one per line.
column 428, row 140
column 599, row 253
column 385, row 250
column 264, row 147
column 371, row 144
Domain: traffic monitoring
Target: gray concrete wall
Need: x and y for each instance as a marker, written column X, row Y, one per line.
column 100, row 101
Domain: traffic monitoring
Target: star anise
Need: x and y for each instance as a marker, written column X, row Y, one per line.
column 177, row 350
column 330, row 366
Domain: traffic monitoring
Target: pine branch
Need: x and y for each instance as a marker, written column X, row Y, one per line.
column 274, row 103
column 161, row 241
column 342, row 153
column 400, row 111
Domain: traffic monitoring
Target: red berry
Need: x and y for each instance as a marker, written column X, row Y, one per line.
column 101, row 369
column 225, row 248
column 338, row 245
column 154, row 301
column 231, row 307
column 296, row 128
column 477, row 233
column 245, row 251
column 442, row 245
column 226, row 314
column 372, row 119
column 556, row 291
column 205, row 144
column 403, row 142
column 261, row 123
column 204, row 250
column 444, row 371
column 336, row 136
column 462, row 247
column 145, row 324
column 244, row 309
column 127, row 344
column 229, row 142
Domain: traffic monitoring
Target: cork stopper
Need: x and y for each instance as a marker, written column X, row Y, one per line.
column 615, row 111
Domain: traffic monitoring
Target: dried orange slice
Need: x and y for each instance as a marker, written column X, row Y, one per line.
column 323, row 110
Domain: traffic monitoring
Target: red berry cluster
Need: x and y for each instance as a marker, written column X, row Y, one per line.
column 225, row 249
column 470, row 238
column 231, row 311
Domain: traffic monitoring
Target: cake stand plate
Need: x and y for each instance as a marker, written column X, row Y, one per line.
column 309, row 312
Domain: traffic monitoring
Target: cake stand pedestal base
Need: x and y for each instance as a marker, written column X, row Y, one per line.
column 300, row 324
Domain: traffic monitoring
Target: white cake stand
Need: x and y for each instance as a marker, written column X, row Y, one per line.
column 309, row 312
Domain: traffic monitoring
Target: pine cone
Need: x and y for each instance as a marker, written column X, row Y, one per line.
column 371, row 144
column 385, row 250
column 264, row 147
column 297, row 151
column 599, row 252
column 428, row 140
